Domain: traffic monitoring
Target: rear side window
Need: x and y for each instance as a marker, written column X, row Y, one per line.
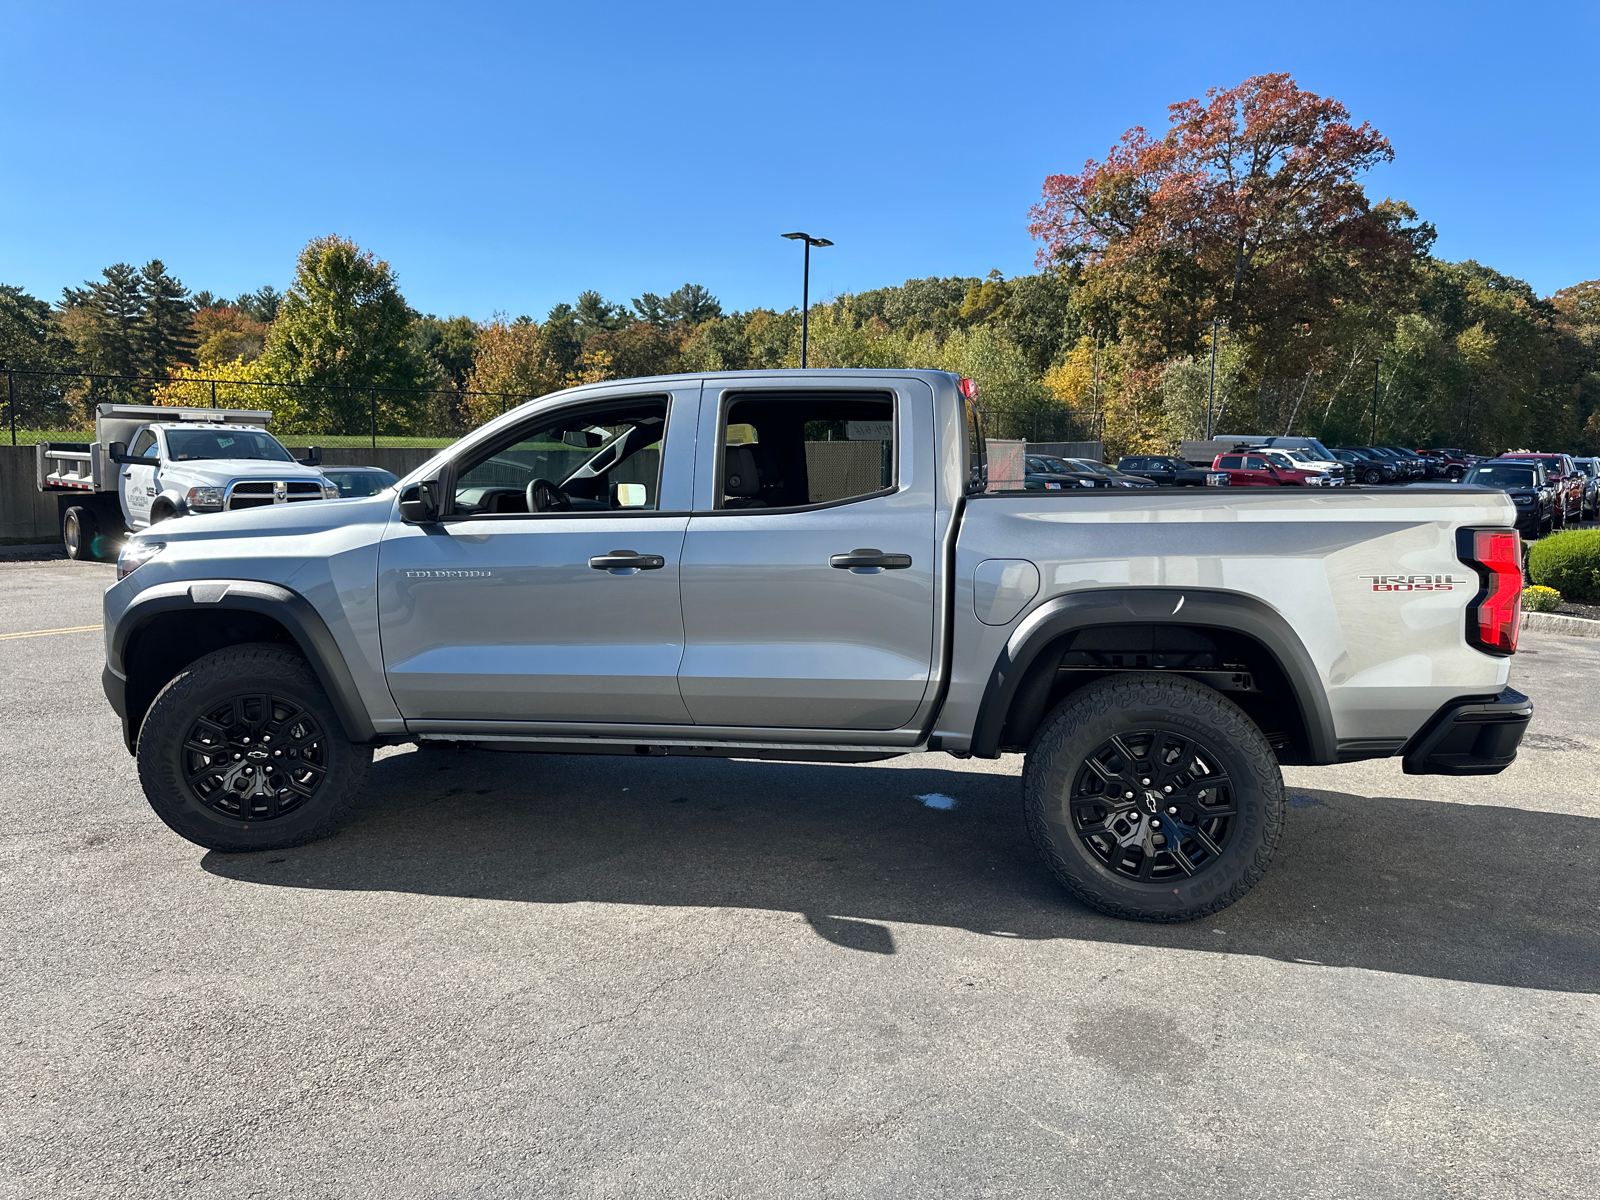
column 790, row 450
column 1230, row 462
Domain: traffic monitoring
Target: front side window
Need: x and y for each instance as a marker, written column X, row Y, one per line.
column 789, row 450
column 144, row 446
column 1255, row 464
column 594, row 458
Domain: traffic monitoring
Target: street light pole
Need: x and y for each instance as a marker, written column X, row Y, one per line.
column 1376, row 363
column 805, row 290
column 1211, row 392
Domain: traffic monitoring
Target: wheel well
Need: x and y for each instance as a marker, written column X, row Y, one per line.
column 170, row 641
column 1232, row 663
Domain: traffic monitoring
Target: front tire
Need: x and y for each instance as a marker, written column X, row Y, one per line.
column 1373, row 477
column 243, row 751
column 1105, row 773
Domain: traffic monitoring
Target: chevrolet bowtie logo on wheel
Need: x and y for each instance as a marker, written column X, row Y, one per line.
column 280, row 492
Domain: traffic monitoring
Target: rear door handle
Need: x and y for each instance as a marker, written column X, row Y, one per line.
column 627, row 560
column 858, row 560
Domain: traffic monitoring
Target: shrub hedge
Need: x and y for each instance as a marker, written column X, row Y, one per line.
column 1568, row 562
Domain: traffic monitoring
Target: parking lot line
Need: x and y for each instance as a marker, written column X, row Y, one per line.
column 9, row 637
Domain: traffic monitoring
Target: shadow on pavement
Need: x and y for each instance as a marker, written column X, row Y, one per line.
column 1452, row 891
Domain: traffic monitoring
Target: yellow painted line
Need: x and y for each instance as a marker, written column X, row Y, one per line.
column 11, row 637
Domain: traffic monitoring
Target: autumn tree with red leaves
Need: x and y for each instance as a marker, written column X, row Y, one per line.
column 1249, row 209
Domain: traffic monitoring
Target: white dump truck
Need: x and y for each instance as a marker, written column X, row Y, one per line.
column 148, row 463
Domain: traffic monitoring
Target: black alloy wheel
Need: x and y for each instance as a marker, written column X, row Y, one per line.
column 255, row 757
column 1152, row 805
column 1454, row 474
column 1372, row 476
column 1153, row 797
column 242, row 750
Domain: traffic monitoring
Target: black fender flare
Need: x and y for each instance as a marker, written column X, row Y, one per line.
column 290, row 609
column 1156, row 606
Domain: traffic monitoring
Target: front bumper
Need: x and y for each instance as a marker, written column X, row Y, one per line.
column 1474, row 736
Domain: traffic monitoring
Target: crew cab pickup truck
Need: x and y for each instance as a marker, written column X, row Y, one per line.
column 810, row 565
column 181, row 460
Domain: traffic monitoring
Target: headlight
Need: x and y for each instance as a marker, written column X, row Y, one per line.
column 205, row 499
column 330, row 491
column 135, row 554
column 1523, row 500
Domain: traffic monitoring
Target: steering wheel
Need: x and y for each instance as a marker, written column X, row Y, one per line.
column 544, row 496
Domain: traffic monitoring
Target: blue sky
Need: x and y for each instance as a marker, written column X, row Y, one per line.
column 506, row 156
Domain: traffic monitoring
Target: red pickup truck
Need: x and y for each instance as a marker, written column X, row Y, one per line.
column 1262, row 469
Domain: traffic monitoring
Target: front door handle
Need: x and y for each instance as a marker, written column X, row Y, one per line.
column 858, row 560
column 627, row 560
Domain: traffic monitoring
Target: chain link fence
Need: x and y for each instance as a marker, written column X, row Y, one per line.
column 60, row 406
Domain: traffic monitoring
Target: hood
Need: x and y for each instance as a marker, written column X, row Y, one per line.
column 222, row 471
column 275, row 520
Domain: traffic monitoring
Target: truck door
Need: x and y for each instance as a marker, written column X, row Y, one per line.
column 139, row 481
column 809, row 568
column 549, row 590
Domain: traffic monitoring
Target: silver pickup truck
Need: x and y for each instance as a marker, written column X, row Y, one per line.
column 815, row 566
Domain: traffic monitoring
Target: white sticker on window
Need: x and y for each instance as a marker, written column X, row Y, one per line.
column 869, row 431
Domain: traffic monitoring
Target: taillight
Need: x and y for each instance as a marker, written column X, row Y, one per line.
column 968, row 388
column 1494, row 618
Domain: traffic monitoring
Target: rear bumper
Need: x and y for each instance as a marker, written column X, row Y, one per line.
column 1473, row 736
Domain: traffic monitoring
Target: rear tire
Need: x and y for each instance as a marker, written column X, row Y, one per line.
column 1131, row 856
column 79, row 529
column 243, row 751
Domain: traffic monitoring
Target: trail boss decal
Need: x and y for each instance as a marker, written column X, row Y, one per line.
column 1413, row 583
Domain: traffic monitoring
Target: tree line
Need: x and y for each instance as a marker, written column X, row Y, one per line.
column 1235, row 262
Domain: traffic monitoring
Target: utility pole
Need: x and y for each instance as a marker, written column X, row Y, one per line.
column 805, row 290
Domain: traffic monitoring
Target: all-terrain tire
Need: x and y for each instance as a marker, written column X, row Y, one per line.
column 272, row 693
column 1173, row 709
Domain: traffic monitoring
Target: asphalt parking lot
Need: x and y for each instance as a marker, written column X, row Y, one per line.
column 526, row 975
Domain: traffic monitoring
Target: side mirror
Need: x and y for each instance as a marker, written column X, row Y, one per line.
column 117, row 452
column 313, row 457
column 420, row 502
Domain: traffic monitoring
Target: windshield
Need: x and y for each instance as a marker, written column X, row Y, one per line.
column 1278, row 459
column 1098, row 468
column 1050, row 465
column 359, row 483
column 1318, row 450
column 185, row 445
column 1502, row 476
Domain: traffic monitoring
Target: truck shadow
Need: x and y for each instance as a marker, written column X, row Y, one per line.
column 1453, row 891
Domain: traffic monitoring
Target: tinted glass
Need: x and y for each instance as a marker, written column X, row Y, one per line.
column 1230, row 463
column 583, row 457
column 1502, row 476
column 806, row 448
column 359, row 483
column 184, row 445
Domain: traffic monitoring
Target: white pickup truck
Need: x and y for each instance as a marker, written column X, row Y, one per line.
column 180, row 461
